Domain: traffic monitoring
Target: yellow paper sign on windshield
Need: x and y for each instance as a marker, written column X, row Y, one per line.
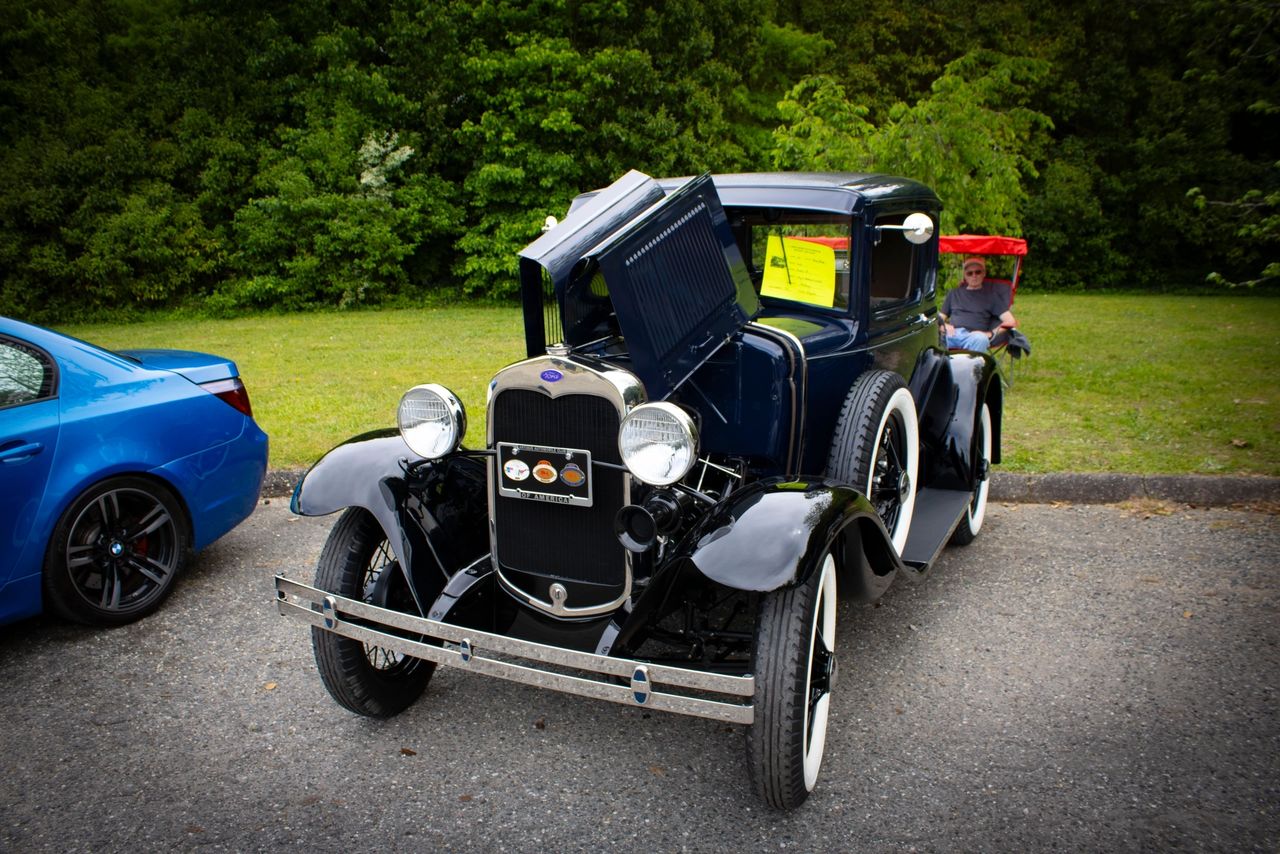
column 796, row 269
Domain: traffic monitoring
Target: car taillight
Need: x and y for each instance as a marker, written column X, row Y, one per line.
column 231, row 391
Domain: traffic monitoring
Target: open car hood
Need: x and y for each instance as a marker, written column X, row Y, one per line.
column 662, row 270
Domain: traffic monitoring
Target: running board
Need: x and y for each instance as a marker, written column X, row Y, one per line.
column 938, row 512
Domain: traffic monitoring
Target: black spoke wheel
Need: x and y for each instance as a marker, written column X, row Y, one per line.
column 795, row 671
column 875, row 447
column 116, row 552
column 887, row 488
column 969, row 526
column 357, row 562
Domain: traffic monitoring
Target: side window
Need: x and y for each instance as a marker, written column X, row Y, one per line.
column 894, row 266
column 26, row 374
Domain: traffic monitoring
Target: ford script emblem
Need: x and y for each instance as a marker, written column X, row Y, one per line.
column 552, row 376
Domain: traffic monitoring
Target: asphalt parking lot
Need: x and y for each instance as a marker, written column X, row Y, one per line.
column 1082, row 678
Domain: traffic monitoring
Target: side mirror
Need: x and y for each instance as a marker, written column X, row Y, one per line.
column 916, row 228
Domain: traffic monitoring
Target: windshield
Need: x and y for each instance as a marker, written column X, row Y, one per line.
column 797, row 256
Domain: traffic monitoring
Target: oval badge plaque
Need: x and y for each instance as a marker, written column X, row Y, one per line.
column 571, row 475
column 640, row 687
column 551, row 376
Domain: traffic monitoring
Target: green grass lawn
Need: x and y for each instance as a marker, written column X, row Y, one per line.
column 1148, row 384
column 1116, row 383
column 316, row 379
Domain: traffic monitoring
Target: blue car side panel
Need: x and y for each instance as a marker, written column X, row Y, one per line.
column 774, row 533
column 113, row 417
column 23, row 480
column 208, row 482
column 157, row 422
column 20, row 598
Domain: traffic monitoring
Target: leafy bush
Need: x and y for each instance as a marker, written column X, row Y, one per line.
column 229, row 156
column 336, row 224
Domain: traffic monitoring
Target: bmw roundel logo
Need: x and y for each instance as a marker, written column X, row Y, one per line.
column 552, row 376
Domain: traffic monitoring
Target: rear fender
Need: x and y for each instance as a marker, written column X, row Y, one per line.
column 950, row 391
column 434, row 518
column 774, row 534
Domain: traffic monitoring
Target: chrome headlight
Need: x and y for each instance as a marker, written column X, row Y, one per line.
column 432, row 420
column 659, row 443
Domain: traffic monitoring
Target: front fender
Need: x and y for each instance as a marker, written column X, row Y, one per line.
column 358, row 473
column 972, row 374
column 774, row 533
column 434, row 519
column 949, row 397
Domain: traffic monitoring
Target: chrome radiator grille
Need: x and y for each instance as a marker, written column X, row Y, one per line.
column 556, row 541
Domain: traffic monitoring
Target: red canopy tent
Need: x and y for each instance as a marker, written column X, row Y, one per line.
column 981, row 244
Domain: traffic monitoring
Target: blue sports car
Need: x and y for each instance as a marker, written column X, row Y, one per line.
column 113, row 468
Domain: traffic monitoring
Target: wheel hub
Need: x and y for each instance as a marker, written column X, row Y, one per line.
column 116, row 548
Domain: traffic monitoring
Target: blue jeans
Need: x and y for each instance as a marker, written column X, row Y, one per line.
column 963, row 339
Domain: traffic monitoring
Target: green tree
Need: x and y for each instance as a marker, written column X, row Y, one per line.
column 336, row 222
column 166, row 151
column 1151, row 101
column 563, row 96
column 1256, row 229
column 126, row 140
column 973, row 138
column 342, row 201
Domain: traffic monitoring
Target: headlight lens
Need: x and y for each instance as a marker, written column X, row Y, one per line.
column 659, row 443
column 432, row 420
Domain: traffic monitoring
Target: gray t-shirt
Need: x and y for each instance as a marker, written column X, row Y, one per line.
column 974, row 310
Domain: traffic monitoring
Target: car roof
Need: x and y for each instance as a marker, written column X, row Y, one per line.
column 836, row 192
column 862, row 182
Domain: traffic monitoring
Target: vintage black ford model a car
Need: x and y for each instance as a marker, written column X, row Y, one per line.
column 734, row 410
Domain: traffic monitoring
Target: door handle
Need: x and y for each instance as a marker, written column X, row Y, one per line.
column 20, row 452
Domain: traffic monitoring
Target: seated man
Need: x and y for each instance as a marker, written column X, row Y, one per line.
column 972, row 314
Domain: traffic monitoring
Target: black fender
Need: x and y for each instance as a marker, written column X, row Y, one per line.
column 433, row 513
column 774, row 533
column 766, row 536
column 949, row 390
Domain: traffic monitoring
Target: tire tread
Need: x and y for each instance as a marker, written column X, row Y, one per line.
column 344, row 669
column 772, row 747
column 869, row 394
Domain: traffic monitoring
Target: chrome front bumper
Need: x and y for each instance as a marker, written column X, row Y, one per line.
column 644, row 685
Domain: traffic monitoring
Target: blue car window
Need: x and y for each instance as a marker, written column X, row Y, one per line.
column 26, row 374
